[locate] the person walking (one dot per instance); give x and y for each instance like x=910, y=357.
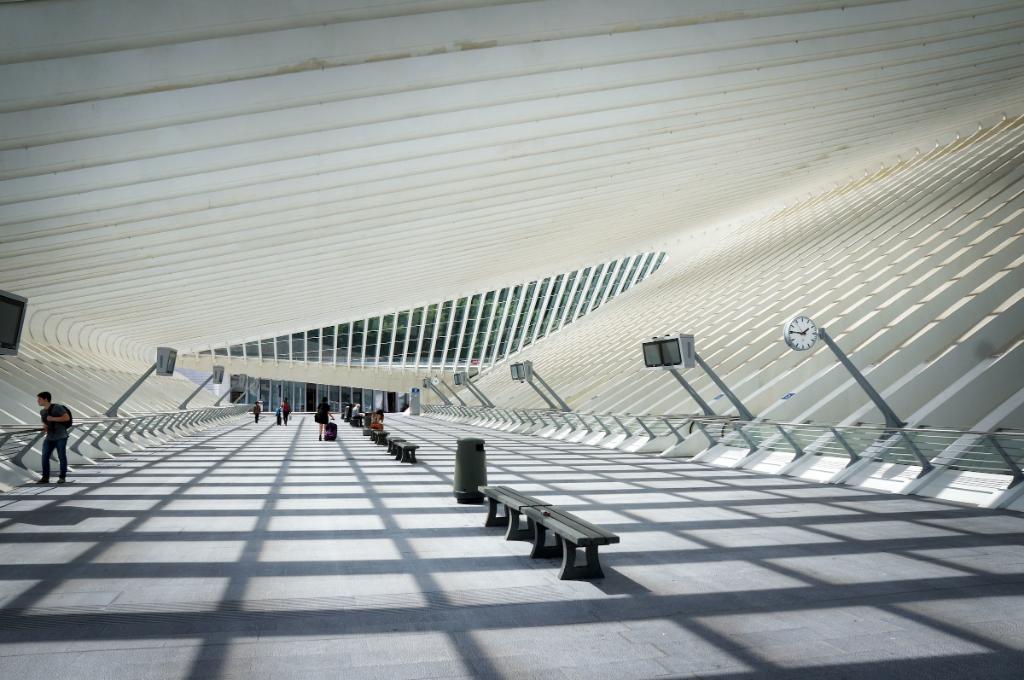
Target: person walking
x=323, y=415
x=286, y=410
x=279, y=412
x=257, y=409
x=56, y=420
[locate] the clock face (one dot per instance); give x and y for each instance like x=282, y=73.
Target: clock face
x=800, y=333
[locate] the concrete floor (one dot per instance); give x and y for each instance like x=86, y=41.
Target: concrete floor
x=259, y=552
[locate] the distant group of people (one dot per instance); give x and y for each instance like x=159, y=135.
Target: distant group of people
x=322, y=416
x=283, y=411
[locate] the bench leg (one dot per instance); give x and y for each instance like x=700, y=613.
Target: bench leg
x=493, y=518
x=571, y=571
x=540, y=547
x=515, y=532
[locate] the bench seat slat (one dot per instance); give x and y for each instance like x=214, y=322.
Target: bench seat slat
x=576, y=529
x=511, y=498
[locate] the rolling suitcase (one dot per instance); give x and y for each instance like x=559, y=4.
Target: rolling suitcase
x=330, y=432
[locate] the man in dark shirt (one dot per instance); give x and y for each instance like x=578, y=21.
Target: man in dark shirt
x=55, y=418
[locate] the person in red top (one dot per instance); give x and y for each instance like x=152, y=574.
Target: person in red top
x=286, y=410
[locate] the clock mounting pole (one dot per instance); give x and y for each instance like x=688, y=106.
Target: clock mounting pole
x=891, y=419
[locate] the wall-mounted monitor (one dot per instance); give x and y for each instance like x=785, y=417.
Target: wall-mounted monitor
x=12, y=319
x=166, y=357
x=670, y=352
x=218, y=375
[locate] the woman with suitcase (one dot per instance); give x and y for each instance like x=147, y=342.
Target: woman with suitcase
x=322, y=417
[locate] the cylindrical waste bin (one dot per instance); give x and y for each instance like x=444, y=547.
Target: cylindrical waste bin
x=470, y=470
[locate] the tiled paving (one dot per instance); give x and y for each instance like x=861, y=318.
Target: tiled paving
x=255, y=551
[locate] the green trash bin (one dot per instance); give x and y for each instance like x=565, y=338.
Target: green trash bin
x=470, y=470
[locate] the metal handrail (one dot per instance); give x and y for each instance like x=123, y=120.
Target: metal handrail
x=119, y=430
x=998, y=452
x=88, y=420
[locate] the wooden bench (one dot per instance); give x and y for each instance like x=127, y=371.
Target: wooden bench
x=394, y=448
x=356, y=421
x=571, y=533
x=514, y=504
x=380, y=437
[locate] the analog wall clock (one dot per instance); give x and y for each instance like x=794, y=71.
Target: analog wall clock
x=800, y=333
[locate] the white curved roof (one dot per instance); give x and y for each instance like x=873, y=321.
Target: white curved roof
x=189, y=172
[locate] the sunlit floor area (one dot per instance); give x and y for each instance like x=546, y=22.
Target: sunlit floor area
x=256, y=551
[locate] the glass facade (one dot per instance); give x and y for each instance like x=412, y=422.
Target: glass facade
x=305, y=396
x=475, y=330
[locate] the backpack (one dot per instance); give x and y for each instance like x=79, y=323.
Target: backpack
x=71, y=418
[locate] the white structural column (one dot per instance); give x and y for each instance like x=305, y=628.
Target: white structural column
x=546, y=323
x=914, y=269
x=530, y=291
x=462, y=328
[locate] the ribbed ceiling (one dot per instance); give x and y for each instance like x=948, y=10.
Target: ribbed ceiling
x=185, y=172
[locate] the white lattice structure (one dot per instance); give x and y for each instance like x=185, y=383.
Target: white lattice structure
x=915, y=269
x=195, y=173
x=91, y=382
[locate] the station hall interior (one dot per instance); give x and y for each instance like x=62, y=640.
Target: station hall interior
x=548, y=339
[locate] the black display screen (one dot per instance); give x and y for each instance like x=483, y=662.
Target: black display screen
x=670, y=354
x=12, y=314
x=652, y=354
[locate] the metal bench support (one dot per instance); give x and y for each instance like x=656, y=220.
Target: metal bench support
x=493, y=518
x=515, y=530
x=541, y=548
x=570, y=571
